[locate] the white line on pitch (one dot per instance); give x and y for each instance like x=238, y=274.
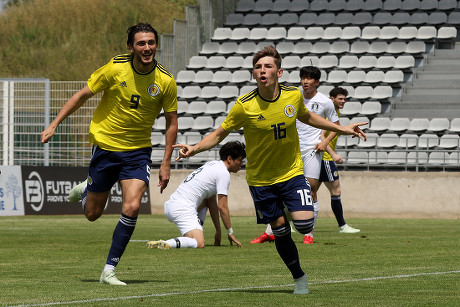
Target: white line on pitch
x=233, y=289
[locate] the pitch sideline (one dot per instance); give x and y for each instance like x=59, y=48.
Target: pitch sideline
x=233, y=289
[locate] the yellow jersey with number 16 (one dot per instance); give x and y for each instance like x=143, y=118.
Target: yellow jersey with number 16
x=131, y=102
x=272, y=142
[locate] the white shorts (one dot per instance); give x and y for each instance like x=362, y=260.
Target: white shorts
x=184, y=216
x=311, y=163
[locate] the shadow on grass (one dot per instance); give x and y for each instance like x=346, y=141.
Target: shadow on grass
x=129, y=281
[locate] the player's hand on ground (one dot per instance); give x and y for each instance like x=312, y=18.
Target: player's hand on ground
x=217, y=239
x=232, y=239
x=185, y=151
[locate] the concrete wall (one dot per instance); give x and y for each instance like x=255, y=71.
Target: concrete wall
x=433, y=195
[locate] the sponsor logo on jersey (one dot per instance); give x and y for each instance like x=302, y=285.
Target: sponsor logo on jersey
x=289, y=110
x=123, y=84
x=153, y=90
x=261, y=117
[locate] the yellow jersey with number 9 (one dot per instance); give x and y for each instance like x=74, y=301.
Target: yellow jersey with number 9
x=131, y=102
x=272, y=142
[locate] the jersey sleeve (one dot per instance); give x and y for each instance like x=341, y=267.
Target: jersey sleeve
x=223, y=182
x=99, y=80
x=331, y=114
x=170, y=97
x=235, y=118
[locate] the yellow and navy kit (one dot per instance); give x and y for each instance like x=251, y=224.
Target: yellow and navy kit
x=131, y=101
x=272, y=142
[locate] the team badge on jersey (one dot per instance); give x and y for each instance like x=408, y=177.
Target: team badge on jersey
x=289, y=110
x=153, y=90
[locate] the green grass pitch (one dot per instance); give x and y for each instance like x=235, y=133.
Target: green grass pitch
x=57, y=260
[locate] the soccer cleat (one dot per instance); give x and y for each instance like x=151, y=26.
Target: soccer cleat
x=76, y=193
x=308, y=239
x=108, y=277
x=158, y=244
x=301, y=285
x=264, y=238
x=348, y=229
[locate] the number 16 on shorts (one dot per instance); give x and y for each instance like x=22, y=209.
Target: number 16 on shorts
x=305, y=197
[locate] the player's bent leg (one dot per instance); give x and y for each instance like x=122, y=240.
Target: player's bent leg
x=94, y=204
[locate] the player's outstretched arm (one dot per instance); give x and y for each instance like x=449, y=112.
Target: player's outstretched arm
x=317, y=121
x=225, y=216
x=206, y=143
x=73, y=104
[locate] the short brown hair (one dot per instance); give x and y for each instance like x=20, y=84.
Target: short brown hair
x=267, y=51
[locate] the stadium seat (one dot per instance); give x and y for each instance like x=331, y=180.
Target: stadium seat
x=454, y=18
x=359, y=47
x=374, y=76
x=185, y=76
x=388, y=140
x=276, y=33
x=382, y=18
x=222, y=76
x=308, y=19
x=190, y=92
x=247, y=62
x=281, y=6
x=337, y=76
x=182, y=107
x=404, y=62
x=346, y=141
x=247, y=48
x=246, y=89
x=241, y=76
x=401, y=19
x=263, y=6
x=325, y=19
x=197, y=62
x=318, y=6
x=190, y=137
x=438, y=158
x=454, y=158
x=447, y=33
x=392, y=5
x=407, y=140
x=356, y=76
x=209, y=92
x=339, y=47
x=378, y=157
x=288, y=19
x=234, y=62
x=302, y=48
x=418, y=19
x=222, y=34
x=216, y=107
x=419, y=125
x=351, y=108
x=382, y=92
x=215, y=62
x=437, y=18
x=410, y=5
x=294, y=77
x=270, y=19
x=285, y=48
x=203, y=123
x=258, y=34
x=336, y=5
x=428, y=141
x=455, y=126
x=397, y=47
x=239, y=34
x=228, y=48
x=184, y=123
x=408, y=33
x=370, y=32
x=367, y=62
x=378, y=47
x=363, y=92
x=197, y=107
x=228, y=92
x=344, y=19
x=203, y=76
x=389, y=33
x=209, y=48
x=351, y=33
x=354, y=5
x=314, y=33
x=438, y=125
x=245, y=6
x=358, y=157
x=296, y=33
x=299, y=6
x=234, y=20
x=291, y=61
x=449, y=141
x=417, y=158
x=348, y=61
x=385, y=62
x=380, y=124
x=219, y=120
x=332, y=33
x=157, y=138
x=428, y=5
x=328, y=61
x=361, y=19
x=371, y=108
x=252, y=19
x=426, y=33
x=447, y=5
x=396, y=158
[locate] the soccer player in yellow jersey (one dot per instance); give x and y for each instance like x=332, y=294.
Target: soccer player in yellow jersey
x=329, y=172
x=274, y=169
x=136, y=88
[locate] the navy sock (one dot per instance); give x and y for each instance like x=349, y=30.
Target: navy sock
x=336, y=205
x=120, y=239
x=288, y=250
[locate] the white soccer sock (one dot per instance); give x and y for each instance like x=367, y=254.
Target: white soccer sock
x=108, y=267
x=269, y=231
x=182, y=242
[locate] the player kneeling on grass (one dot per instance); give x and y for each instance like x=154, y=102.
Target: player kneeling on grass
x=188, y=205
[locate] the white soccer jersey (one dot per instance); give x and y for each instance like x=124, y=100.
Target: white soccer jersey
x=323, y=106
x=210, y=179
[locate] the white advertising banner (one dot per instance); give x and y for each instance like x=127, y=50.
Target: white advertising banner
x=11, y=198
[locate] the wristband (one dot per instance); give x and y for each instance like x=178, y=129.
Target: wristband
x=230, y=231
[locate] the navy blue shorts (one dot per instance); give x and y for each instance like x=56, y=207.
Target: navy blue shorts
x=269, y=201
x=108, y=167
x=329, y=171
